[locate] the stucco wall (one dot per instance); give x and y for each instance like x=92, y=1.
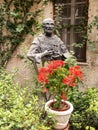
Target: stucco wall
x=91, y=70
x=26, y=71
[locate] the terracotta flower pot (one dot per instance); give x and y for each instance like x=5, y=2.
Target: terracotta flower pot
x=62, y=117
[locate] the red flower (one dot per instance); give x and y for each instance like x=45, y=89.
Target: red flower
x=69, y=80
x=76, y=71
x=45, y=90
x=44, y=72
x=42, y=75
x=63, y=96
x=42, y=78
x=72, y=84
x=54, y=65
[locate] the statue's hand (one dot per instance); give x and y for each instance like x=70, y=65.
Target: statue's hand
x=67, y=54
x=40, y=55
x=47, y=52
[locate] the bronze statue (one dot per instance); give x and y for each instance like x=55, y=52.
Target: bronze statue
x=47, y=46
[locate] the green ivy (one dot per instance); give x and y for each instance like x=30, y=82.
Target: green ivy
x=16, y=21
x=92, y=44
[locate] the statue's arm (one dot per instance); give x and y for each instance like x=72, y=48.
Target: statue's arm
x=35, y=53
x=63, y=49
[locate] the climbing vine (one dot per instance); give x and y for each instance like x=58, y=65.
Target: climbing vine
x=16, y=21
x=92, y=44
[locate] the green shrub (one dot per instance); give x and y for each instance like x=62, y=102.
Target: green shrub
x=85, y=115
x=19, y=107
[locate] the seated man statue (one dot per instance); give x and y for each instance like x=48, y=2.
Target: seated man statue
x=47, y=46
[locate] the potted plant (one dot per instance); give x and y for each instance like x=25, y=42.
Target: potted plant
x=58, y=78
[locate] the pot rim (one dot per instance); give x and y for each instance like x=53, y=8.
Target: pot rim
x=69, y=111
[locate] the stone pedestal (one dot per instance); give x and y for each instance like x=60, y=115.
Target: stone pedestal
x=67, y=128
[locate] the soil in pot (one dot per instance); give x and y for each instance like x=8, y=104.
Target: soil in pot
x=63, y=106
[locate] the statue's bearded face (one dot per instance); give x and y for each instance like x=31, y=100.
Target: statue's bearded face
x=48, y=26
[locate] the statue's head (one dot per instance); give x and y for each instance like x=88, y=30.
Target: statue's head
x=48, y=26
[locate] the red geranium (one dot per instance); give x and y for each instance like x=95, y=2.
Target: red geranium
x=76, y=71
x=58, y=77
x=42, y=77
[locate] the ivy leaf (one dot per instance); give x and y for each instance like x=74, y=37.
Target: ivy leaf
x=20, y=28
